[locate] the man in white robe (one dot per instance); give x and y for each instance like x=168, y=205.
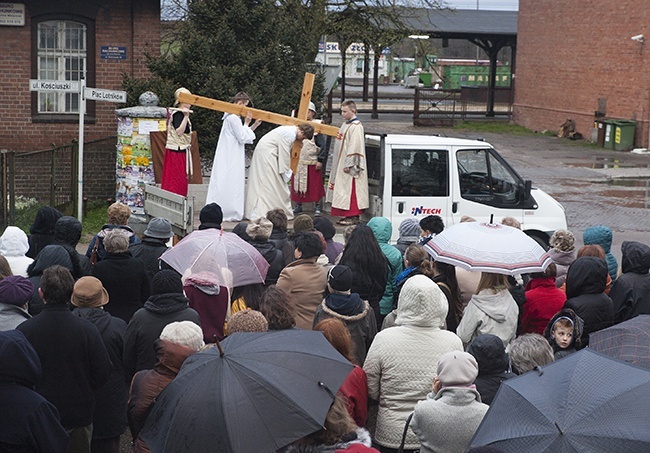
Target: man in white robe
x=227, y=179
x=270, y=171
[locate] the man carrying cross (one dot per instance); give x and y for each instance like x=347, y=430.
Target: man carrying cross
x=270, y=170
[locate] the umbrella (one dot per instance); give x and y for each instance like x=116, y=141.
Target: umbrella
x=234, y=261
x=585, y=402
x=488, y=247
x=264, y=391
x=629, y=341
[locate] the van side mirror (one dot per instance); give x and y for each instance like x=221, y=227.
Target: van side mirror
x=528, y=184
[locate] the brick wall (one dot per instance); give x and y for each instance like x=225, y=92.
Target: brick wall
x=570, y=55
x=125, y=23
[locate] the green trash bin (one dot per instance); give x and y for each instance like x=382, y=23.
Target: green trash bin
x=426, y=79
x=608, y=141
x=624, y=134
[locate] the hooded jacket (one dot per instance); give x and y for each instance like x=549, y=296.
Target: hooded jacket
x=585, y=286
x=602, y=235
x=578, y=327
x=51, y=255
x=382, y=229
x=109, y=418
x=562, y=262
x=147, y=324
x=67, y=233
x=41, y=233
x=148, y=384
x=543, y=300
x=273, y=256
x=14, y=246
x=493, y=365
x=357, y=316
x=149, y=251
x=630, y=292
x=281, y=241
x=403, y=360
x=29, y=422
x=489, y=312
x=211, y=302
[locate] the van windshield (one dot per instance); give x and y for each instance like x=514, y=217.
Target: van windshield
x=420, y=173
x=483, y=177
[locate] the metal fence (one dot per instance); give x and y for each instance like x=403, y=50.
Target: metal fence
x=443, y=107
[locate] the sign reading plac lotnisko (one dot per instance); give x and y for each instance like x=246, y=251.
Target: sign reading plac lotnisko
x=12, y=14
x=96, y=94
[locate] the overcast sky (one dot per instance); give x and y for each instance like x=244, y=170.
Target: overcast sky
x=494, y=5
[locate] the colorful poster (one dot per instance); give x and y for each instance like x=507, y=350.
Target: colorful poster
x=134, y=162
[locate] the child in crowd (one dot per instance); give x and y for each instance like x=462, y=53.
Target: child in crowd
x=563, y=333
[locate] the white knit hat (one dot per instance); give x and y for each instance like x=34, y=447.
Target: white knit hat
x=184, y=333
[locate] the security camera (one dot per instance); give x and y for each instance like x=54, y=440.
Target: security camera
x=638, y=38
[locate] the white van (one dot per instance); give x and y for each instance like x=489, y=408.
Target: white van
x=419, y=175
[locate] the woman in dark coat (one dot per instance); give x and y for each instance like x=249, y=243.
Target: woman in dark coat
x=67, y=233
x=631, y=290
x=585, y=285
x=493, y=365
x=41, y=233
x=123, y=276
x=109, y=417
x=50, y=256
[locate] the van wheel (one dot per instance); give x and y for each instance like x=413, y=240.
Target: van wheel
x=540, y=238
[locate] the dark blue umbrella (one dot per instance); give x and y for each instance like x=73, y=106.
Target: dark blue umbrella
x=261, y=392
x=629, y=341
x=585, y=402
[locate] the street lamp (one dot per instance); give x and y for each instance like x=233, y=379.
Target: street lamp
x=416, y=38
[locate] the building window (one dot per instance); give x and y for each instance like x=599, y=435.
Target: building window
x=62, y=55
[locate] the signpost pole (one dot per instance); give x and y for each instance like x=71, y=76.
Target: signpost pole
x=80, y=166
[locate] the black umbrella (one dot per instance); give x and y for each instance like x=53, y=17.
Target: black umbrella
x=629, y=341
x=585, y=402
x=260, y=393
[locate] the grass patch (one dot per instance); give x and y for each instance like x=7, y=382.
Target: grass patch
x=94, y=219
x=494, y=127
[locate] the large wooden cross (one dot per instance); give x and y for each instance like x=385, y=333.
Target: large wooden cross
x=269, y=117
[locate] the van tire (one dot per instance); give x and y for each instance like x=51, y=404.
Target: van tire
x=540, y=238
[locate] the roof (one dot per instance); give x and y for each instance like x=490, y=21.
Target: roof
x=463, y=23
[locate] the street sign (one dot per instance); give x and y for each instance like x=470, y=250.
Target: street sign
x=67, y=86
x=97, y=94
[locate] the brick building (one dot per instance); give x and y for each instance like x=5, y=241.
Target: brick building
x=576, y=58
x=66, y=40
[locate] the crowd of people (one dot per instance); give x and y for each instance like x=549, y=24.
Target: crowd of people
x=90, y=340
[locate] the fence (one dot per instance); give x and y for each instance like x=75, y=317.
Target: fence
x=443, y=107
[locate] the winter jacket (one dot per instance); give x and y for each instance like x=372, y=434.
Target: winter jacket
x=493, y=365
x=372, y=291
x=67, y=232
x=357, y=316
x=467, y=283
x=14, y=246
x=562, y=262
x=543, y=300
x=74, y=361
x=446, y=421
x=358, y=441
x=489, y=312
x=402, y=360
x=126, y=281
x=304, y=281
x=332, y=250
x=585, y=283
x=51, y=255
x=109, y=418
x=149, y=251
x=273, y=256
x=12, y=316
x=630, y=292
x=101, y=251
x=29, y=422
x=382, y=229
x=578, y=327
x=281, y=241
x=602, y=235
x=148, y=384
x=355, y=393
x=403, y=243
x=41, y=233
x=146, y=325
x=210, y=301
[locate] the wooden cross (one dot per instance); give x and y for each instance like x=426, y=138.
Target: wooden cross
x=269, y=117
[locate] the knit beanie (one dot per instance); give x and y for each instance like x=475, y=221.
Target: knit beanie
x=302, y=223
x=211, y=216
x=457, y=368
x=247, y=321
x=15, y=290
x=259, y=229
x=340, y=278
x=409, y=227
x=167, y=281
x=184, y=333
x=562, y=241
x=325, y=226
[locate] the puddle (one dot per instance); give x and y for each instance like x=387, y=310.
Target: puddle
x=608, y=162
x=629, y=192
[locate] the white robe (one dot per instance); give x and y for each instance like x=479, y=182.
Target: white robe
x=227, y=179
x=269, y=173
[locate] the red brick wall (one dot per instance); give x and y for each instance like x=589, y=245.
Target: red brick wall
x=571, y=54
x=125, y=23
